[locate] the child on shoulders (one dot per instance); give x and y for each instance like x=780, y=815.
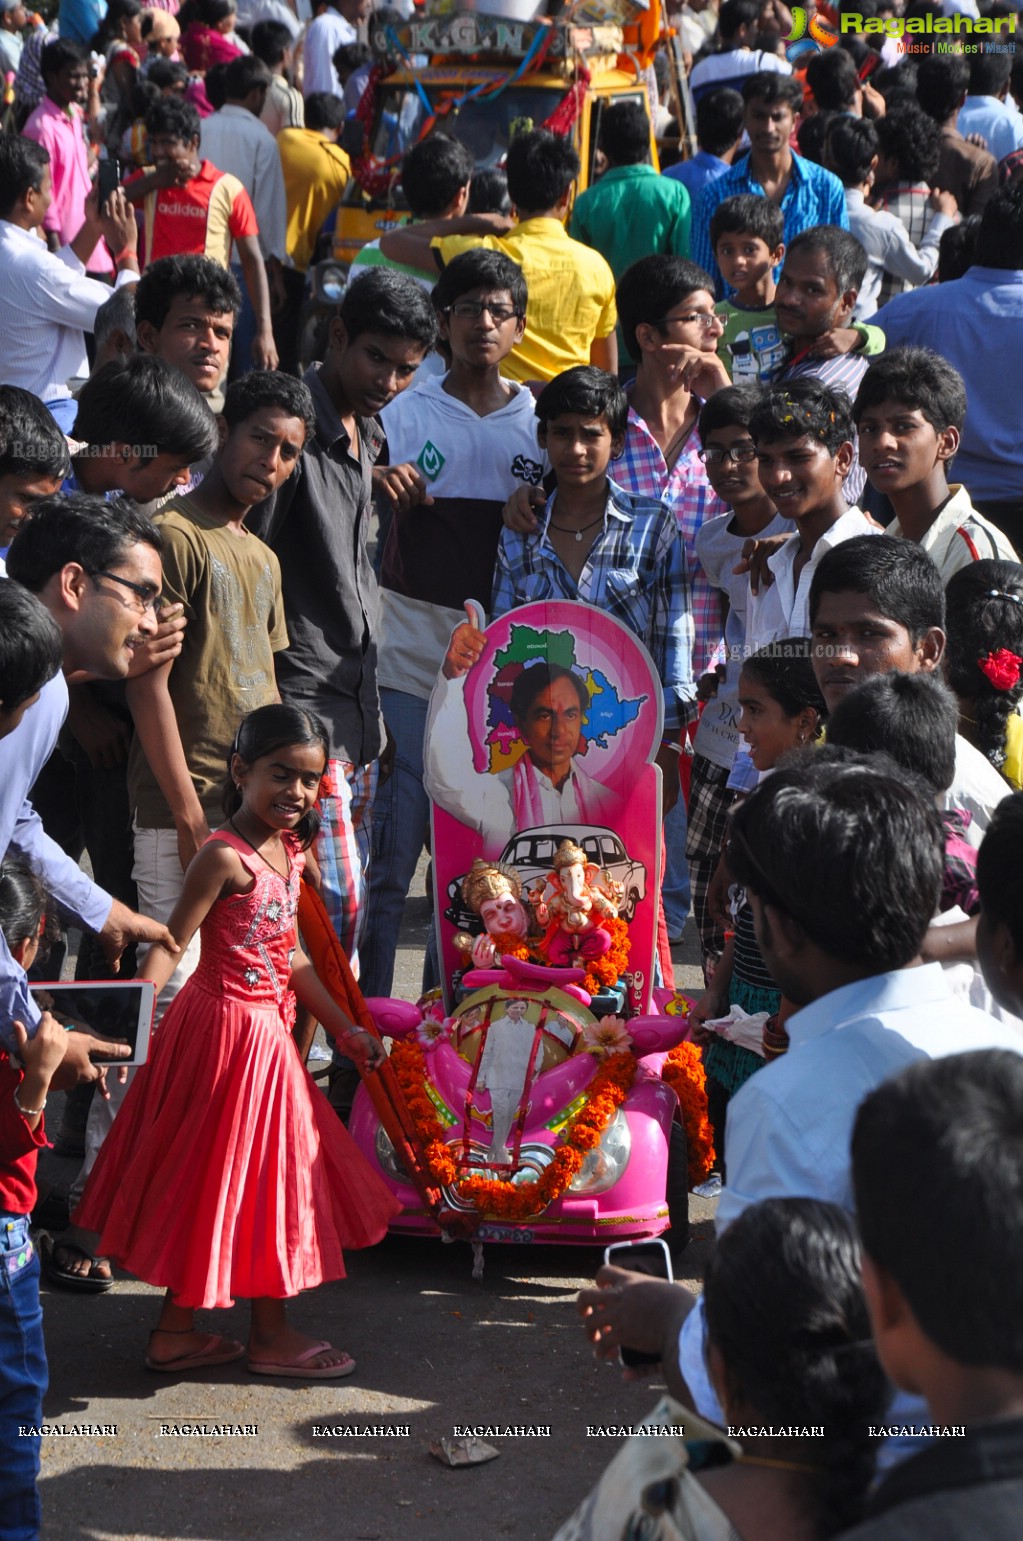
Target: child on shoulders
x=747, y=234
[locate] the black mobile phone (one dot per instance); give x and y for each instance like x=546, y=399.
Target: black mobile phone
x=108, y=179
x=650, y=1257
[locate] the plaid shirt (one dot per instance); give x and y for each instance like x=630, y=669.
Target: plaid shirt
x=643, y=471
x=911, y=203
x=635, y=571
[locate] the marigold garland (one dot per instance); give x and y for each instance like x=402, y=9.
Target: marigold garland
x=494, y=1197
x=600, y=972
x=684, y=1073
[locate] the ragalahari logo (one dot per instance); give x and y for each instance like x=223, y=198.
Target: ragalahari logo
x=809, y=35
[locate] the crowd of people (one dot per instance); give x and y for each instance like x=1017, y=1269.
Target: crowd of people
x=722, y=402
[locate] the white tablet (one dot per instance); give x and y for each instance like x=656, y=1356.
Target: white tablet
x=116, y=1009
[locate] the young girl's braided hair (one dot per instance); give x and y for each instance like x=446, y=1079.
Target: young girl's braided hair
x=787, y=1314
x=984, y=652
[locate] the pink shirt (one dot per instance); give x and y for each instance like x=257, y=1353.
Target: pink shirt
x=63, y=135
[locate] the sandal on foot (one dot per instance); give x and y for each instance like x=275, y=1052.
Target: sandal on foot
x=65, y=1278
x=299, y=1368
x=219, y=1350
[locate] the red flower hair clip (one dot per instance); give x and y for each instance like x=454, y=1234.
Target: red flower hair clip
x=1001, y=668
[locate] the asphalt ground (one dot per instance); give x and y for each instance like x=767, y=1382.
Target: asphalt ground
x=436, y=1350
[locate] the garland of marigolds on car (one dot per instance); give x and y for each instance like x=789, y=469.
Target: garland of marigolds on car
x=683, y=1071
x=505, y=1200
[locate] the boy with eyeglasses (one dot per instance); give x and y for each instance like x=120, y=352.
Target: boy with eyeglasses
x=461, y=445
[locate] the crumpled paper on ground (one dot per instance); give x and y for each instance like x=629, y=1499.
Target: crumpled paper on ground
x=463, y=1452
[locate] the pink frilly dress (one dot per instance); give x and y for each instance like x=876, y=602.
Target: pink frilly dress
x=227, y=1173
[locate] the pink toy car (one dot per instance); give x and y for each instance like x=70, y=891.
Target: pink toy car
x=542, y=1124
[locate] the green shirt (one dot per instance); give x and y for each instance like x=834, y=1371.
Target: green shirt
x=632, y=212
x=753, y=348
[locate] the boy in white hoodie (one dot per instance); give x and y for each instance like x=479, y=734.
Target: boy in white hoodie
x=466, y=441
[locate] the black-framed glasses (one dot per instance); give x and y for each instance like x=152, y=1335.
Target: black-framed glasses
x=705, y=318
x=147, y=597
x=471, y=310
x=738, y=453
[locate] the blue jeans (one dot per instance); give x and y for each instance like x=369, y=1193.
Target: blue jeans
x=675, y=889
x=63, y=410
x=244, y=330
x=23, y=1380
x=401, y=828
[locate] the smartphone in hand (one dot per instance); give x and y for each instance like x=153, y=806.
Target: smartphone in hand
x=651, y=1257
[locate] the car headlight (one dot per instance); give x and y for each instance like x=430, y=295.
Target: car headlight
x=603, y=1166
x=388, y=1158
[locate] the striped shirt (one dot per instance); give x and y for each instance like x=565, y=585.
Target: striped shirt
x=643, y=472
x=635, y=571
x=200, y=218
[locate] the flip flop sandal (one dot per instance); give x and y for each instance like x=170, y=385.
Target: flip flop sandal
x=219, y=1350
x=65, y=1278
x=300, y=1368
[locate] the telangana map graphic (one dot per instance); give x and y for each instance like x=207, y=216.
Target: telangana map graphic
x=606, y=715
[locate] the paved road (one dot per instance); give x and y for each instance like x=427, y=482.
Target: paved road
x=435, y=1349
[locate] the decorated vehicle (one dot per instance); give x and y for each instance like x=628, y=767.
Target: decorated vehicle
x=486, y=74
x=550, y=1095
x=572, y=1134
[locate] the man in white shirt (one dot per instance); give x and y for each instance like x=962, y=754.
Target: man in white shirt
x=47, y=303
x=877, y=606
x=842, y=863
x=236, y=141
x=331, y=30
x=737, y=25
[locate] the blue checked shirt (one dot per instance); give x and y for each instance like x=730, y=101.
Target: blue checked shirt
x=813, y=197
x=635, y=571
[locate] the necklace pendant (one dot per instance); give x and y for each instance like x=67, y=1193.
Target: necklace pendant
x=578, y=534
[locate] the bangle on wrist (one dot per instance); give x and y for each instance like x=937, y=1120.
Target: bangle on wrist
x=125, y=254
x=352, y=1032
x=28, y=1112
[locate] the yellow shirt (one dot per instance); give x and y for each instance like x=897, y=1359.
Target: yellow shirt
x=316, y=173
x=1012, y=769
x=571, y=294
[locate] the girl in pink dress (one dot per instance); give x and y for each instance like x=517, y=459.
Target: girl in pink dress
x=227, y=1172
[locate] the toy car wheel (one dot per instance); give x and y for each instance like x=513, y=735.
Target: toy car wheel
x=677, y=1234
x=628, y=914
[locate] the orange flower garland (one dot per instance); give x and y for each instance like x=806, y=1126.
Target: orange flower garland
x=612, y=966
x=497, y=1198
x=600, y=972
x=684, y=1073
